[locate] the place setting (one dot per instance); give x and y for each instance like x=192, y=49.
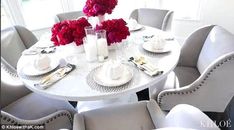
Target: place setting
x=45, y=70
x=41, y=47
x=133, y=25
x=112, y=75
x=154, y=45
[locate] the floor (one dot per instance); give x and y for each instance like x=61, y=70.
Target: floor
x=223, y=118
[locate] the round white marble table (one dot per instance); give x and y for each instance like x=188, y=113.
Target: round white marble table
x=74, y=86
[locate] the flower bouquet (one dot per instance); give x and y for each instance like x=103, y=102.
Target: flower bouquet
x=116, y=30
x=99, y=7
x=67, y=31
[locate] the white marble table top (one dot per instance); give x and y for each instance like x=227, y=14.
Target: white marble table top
x=74, y=87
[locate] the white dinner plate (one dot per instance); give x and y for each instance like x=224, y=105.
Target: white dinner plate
x=138, y=27
x=30, y=69
x=148, y=47
x=100, y=78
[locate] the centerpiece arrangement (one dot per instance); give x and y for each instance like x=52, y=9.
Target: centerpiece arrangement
x=70, y=31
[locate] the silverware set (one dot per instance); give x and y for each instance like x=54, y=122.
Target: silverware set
x=145, y=66
x=40, y=50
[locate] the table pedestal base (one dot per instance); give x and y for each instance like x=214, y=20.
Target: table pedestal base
x=83, y=106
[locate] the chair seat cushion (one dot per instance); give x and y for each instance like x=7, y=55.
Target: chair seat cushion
x=34, y=106
x=186, y=75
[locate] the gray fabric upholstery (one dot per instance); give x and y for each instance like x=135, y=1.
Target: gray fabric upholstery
x=124, y=117
x=68, y=16
x=10, y=40
x=192, y=47
x=14, y=40
x=205, y=71
x=21, y=106
x=27, y=37
x=140, y=115
x=218, y=42
x=157, y=18
x=33, y=106
x=186, y=75
x=55, y=121
x=11, y=89
x=211, y=92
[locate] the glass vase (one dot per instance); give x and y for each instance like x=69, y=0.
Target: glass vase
x=100, y=19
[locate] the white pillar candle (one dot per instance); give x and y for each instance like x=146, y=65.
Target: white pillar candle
x=91, y=48
x=102, y=47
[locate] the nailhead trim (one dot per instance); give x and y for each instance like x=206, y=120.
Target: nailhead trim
x=200, y=85
x=59, y=115
x=14, y=74
x=8, y=119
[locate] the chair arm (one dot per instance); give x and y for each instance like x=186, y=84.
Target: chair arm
x=156, y=114
x=58, y=120
x=211, y=92
x=192, y=46
x=12, y=88
x=134, y=14
x=167, y=21
x=187, y=116
x=78, y=122
x=56, y=19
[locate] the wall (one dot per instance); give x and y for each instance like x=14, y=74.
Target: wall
x=219, y=12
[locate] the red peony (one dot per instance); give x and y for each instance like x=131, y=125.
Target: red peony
x=62, y=33
x=78, y=29
x=68, y=31
x=116, y=30
x=99, y=7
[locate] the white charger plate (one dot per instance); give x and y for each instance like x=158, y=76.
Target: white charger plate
x=30, y=70
x=100, y=78
x=147, y=46
x=138, y=27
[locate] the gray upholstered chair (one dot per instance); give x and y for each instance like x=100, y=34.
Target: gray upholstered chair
x=68, y=16
x=17, y=101
x=158, y=18
x=144, y=115
x=58, y=120
x=204, y=74
x=123, y=117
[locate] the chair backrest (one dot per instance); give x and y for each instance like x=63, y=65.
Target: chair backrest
x=157, y=18
x=218, y=42
x=122, y=117
x=14, y=41
x=11, y=86
x=68, y=16
x=58, y=120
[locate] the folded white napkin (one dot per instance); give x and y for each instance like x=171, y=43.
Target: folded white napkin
x=132, y=24
x=113, y=69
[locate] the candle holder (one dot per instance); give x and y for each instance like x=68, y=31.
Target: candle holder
x=90, y=45
x=102, y=47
